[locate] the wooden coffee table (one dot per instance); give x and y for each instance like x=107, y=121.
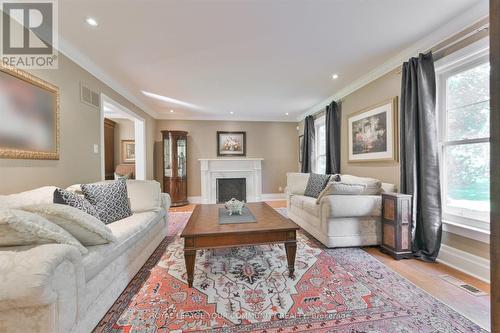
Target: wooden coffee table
x=203, y=231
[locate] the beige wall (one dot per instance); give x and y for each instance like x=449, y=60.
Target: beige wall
x=80, y=130
x=276, y=142
x=124, y=130
x=386, y=87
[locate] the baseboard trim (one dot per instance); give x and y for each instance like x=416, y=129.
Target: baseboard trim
x=473, y=265
x=265, y=197
x=194, y=200
x=273, y=196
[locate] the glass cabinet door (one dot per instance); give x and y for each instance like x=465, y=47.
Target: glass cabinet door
x=181, y=157
x=167, y=156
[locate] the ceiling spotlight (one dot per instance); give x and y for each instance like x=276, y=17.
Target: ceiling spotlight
x=286, y=114
x=335, y=76
x=92, y=21
x=231, y=112
x=171, y=111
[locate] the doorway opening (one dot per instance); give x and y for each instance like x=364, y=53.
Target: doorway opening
x=123, y=142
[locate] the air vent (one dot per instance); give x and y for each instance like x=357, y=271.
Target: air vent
x=462, y=285
x=89, y=97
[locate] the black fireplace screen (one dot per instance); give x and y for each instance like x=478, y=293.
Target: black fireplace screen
x=228, y=188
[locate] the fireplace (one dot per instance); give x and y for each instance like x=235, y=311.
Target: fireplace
x=228, y=188
x=214, y=169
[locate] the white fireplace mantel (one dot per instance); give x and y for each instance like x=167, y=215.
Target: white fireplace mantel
x=215, y=168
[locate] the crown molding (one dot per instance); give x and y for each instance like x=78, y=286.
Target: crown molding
x=219, y=117
x=461, y=22
x=83, y=61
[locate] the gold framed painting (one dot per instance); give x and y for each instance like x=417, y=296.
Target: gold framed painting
x=29, y=110
x=373, y=133
x=128, y=151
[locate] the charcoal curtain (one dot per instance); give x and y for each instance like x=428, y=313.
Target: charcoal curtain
x=308, y=144
x=419, y=154
x=332, y=129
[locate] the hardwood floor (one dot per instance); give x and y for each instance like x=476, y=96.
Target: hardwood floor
x=426, y=276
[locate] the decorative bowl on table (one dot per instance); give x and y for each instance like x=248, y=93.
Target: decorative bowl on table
x=234, y=206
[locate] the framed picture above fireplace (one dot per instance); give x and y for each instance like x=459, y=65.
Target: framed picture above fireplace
x=231, y=143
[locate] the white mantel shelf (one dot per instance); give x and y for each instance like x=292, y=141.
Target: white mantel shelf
x=232, y=159
x=212, y=169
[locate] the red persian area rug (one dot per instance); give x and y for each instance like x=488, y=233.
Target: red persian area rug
x=248, y=290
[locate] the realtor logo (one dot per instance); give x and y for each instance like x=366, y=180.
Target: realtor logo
x=29, y=34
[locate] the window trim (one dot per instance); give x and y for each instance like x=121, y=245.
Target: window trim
x=318, y=122
x=469, y=57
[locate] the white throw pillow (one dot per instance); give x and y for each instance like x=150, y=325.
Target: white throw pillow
x=84, y=227
x=41, y=195
x=18, y=227
x=372, y=186
x=340, y=188
x=144, y=195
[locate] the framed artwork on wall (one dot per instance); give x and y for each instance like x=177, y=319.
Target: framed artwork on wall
x=373, y=133
x=128, y=151
x=231, y=143
x=29, y=110
x=301, y=147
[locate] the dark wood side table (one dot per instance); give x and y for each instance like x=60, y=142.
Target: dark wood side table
x=396, y=225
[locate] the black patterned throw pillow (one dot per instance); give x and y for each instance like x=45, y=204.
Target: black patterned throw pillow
x=72, y=199
x=110, y=199
x=316, y=184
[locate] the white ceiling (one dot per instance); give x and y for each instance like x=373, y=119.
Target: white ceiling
x=257, y=59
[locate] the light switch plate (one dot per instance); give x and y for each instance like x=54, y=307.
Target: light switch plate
x=96, y=148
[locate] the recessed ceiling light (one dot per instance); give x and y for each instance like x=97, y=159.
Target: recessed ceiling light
x=231, y=112
x=92, y=21
x=286, y=114
x=171, y=111
x=335, y=76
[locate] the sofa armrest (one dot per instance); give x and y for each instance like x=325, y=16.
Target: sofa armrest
x=40, y=275
x=165, y=201
x=296, y=182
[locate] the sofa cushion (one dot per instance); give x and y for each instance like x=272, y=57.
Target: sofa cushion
x=18, y=228
x=75, y=200
x=126, y=231
x=373, y=186
x=316, y=184
x=110, y=199
x=84, y=227
x=352, y=205
x=41, y=195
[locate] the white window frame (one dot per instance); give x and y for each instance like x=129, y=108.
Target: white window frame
x=459, y=61
x=318, y=123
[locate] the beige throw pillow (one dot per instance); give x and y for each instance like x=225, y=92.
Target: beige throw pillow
x=18, y=227
x=86, y=228
x=340, y=188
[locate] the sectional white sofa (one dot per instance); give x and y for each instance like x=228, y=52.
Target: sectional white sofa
x=337, y=220
x=52, y=288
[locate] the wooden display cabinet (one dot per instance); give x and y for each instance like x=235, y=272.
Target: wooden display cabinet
x=175, y=166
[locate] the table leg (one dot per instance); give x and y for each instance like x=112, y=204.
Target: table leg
x=291, y=249
x=189, y=258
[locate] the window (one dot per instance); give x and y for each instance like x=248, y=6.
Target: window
x=464, y=108
x=319, y=163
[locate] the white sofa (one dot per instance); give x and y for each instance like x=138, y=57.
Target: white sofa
x=53, y=288
x=337, y=220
